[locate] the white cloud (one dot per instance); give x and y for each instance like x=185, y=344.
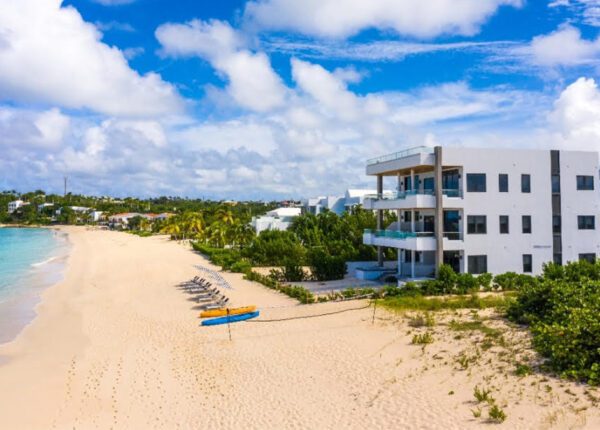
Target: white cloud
x=343, y=18
x=564, y=47
x=114, y=25
x=24, y=128
x=576, y=115
x=51, y=55
x=113, y=2
x=381, y=50
x=586, y=11
x=252, y=81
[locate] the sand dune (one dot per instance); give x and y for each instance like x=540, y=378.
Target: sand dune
x=116, y=345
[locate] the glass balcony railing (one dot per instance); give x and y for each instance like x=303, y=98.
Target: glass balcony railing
x=395, y=234
x=400, y=154
x=401, y=195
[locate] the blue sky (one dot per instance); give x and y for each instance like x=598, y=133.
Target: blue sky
x=270, y=99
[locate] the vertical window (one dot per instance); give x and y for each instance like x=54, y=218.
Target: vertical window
x=476, y=182
x=477, y=264
x=503, y=183
x=557, y=259
x=428, y=185
x=586, y=222
x=503, y=224
x=527, y=263
x=556, y=224
x=585, y=182
x=525, y=183
x=526, y=221
x=591, y=257
x=407, y=183
x=476, y=224
x=555, y=184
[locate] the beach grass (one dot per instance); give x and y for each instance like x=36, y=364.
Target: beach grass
x=423, y=303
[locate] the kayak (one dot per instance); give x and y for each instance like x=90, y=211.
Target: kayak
x=230, y=319
x=223, y=312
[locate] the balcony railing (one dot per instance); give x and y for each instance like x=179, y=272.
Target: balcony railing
x=400, y=154
x=401, y=195
x=395, y=234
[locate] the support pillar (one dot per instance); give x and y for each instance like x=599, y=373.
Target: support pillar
x=439, y=209
x=412, y=263
x=379, y=219
x=412, y=180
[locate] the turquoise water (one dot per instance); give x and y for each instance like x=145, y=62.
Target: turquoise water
x=30, y=260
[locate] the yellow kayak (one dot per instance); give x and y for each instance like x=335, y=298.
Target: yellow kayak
x=223, y=312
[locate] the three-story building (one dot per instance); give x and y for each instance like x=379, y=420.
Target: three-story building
x=486, y=210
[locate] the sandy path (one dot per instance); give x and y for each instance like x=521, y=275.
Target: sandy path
x=116, y=345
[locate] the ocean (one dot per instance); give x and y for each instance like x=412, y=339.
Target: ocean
x=31, y=259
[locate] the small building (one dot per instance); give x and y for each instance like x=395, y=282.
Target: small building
x=16, y=204
x=96, y=216
x=277, y=219
x=337, y=204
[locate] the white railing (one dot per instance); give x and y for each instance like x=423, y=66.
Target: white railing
x=400, y=154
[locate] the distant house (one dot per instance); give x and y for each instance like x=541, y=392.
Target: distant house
x=336, y=204
x=14, y=205
x=277, y=219
x=122, y=218
x=43, y=206
x=96, y=216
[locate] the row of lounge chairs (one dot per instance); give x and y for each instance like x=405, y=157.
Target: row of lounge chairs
x=216, y=276
x=208, y=296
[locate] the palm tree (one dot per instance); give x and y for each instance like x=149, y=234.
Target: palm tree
x=193, y=224
x=241, y=234
x=225, y=216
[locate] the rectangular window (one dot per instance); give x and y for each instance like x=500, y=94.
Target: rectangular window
x=477, y=264
x=556, y=224
x=526, y=221
x=476, y=224
x=503, y=224
x=586, y=222
x=527, y=263
x=428, y=185
x=503, y=183
x=476, y=182
x=588, y=257
x=557, y=259
x=525, y=183
x=585, y=182
x=555, y=184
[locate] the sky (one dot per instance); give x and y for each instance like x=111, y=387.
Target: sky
x=274, y=99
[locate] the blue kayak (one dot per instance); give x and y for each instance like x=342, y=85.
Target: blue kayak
x=230, y=318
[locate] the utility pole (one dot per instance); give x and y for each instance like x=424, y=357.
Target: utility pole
x=65, y=193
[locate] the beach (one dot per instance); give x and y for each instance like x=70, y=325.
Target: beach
x=116, y=344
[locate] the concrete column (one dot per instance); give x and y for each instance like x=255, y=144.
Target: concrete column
x=412, y=180
x=412, y=220
x=412, y=263
x=379, y=219
x=399, y=182
x=439, y=209
x=399, y=262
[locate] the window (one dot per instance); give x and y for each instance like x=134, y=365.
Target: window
x=407, y=183
x=476, y=182
x=556, y=224
x=588, y=257
x=477, y=264
x=526, y=221
x=525, y=183
x=557, y=259
x=585, y=182
x=586, y=222
x=476, y=224
x=527, y=263
x=555, y=184
x=503, y=224
x=428, y=185
x=503, y=183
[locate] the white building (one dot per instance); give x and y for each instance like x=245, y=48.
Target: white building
x=14, y=205
x=277, y=219
x=336, y=204
x=499, y=210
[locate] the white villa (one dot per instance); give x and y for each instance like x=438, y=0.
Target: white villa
x=486, y=210
x=277, y=219
x=336, y=204
x=16, y=204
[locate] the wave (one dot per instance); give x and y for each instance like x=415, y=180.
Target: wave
x=42, y=263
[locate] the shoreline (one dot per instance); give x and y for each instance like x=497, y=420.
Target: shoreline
x=116, y=345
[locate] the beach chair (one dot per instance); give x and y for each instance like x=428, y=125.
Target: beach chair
x=221, y=303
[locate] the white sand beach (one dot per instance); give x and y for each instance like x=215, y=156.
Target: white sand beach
x=117, y=346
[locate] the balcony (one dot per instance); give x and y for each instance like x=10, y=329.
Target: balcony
x=417, y=241
x=410, y=199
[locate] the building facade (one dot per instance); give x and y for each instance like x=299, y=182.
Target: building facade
x=14, y=205
x=486, y=210
x=277, y=219
x=336, y=204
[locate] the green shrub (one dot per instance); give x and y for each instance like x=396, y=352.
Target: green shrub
x=482, y=394
x=241, y=266
x=293, y=272
x=326, y=267
x=466, y=283
x=484, y=281
x=422, y=339
x=496, y=414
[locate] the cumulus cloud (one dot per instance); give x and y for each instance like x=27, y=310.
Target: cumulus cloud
x=343, y=18
x=586, y=11
x=564, y=47
x=42, y=39
x=576, y=115
x=252, y=81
